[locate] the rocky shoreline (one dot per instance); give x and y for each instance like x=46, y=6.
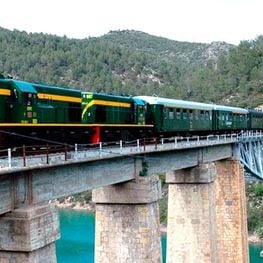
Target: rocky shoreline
x=254, y=238
x=76, y=205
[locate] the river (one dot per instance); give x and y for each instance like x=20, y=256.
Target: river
x=77, y=239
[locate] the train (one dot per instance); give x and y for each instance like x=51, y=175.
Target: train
x=31, y=112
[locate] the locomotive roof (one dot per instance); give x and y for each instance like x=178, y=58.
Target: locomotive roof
x=55, y=90
x=24, y=86
x=190, y=104
x=96, y=95
x=138, y=101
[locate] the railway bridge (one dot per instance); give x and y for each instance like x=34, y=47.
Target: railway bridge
x=207, y=219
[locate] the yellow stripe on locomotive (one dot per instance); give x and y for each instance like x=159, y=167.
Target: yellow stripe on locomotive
x=5, y=92
x=104, y=103
x=45, y=96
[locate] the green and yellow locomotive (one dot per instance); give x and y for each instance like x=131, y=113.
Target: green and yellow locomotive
x=66, y=115
x=30, y=112
x=18, y=102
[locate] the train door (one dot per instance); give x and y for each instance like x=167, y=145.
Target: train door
x=100, y=114
x=139, y=109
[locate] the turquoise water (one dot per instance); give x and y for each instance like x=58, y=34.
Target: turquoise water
x=254, y=251
x=77, y=239
x=76, y=244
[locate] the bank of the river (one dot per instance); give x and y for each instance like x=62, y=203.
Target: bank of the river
x=254, y=238
x=70, y=203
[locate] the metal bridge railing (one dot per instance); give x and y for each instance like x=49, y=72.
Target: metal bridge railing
x=25, y=157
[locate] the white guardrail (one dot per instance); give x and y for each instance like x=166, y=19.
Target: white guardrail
x=56, y=154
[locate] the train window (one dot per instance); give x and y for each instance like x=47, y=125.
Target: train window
x=207, y=115
x=178, y=114
x=171, y=113
x=197, y=115
x=184, y=114
x=14, y=95
x=202, y=115
x=191, y=114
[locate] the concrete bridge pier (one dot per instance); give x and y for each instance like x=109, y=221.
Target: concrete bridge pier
x=28, y=235
x=127, y=222
x=191, y=232
x=207, y=215
x=231, y=213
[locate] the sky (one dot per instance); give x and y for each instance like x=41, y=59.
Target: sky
x=202, y=21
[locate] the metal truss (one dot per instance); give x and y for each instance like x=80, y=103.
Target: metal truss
x=250, y=151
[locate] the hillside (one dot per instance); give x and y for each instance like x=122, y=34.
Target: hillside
x=184, y=54
x=132, y=62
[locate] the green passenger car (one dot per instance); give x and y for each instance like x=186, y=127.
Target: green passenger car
x=255, y=120
x=229, y=118
x=58, y=105
x=171, y=116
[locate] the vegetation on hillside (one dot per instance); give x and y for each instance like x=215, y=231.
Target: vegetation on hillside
x=255, y=208
x=132, y=62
